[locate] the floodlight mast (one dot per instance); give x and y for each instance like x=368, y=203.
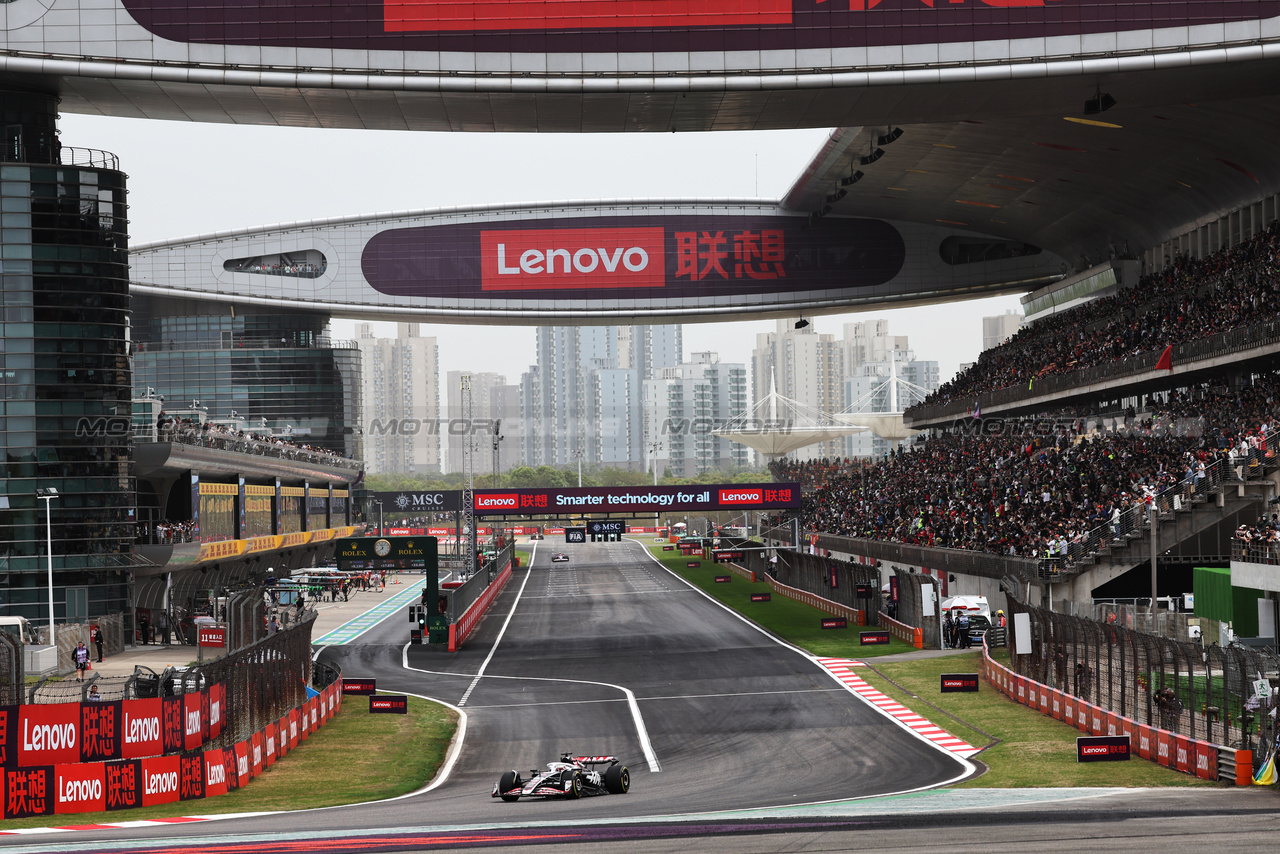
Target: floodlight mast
x=47, y=494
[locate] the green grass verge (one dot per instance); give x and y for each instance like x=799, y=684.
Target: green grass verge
x=1024, y=749
x=1027, y=749
x=794, y=622
x=355, y=757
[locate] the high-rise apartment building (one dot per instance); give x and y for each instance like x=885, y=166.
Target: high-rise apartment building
x=582, y=400
x=684, y=405
x=476, y=426
x=804, y=366
x=401, y=397
x=999, y=328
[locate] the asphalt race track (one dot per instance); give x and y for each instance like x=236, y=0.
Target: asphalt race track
x=726, y=731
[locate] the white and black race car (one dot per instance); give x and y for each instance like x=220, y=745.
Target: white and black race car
x=559, y=557
x=571, y=777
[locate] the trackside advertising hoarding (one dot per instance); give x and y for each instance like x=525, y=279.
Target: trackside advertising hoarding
x=637, y=499
x=644, y=26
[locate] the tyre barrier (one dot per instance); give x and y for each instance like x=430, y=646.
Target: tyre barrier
x=68, y=758
x=1198, y=758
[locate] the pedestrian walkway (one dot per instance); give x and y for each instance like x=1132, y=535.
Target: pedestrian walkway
x=330, y=617
x=842, y=670
x=408, y=594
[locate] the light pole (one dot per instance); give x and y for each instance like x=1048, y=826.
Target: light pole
x=654, y=447
x=578, y=454
x=497, y=443
x=46, y=495
x=379, y=503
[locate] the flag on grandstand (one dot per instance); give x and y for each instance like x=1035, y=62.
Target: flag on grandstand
x=1166, y=359
x=1267, y=773
x=977, y=410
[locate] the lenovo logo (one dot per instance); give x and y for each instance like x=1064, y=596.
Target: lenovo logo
x=572, y=258
x=508, y=500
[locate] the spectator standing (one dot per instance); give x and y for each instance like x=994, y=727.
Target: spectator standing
x=96, y=636
x=81, y=659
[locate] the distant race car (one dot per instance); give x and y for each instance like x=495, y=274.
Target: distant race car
x=559, y=557
x=571, y=777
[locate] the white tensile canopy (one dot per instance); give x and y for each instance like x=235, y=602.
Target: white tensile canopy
x=778, y=425
x=888, y=424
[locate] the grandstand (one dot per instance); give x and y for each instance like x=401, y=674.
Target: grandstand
x=1063, y=486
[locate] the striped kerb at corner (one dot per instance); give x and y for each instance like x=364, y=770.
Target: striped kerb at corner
x=842, y=670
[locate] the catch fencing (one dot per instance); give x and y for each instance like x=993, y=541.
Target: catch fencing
x=1200, y=691
x=12, y=676
x=261, y=681
x=465, y=605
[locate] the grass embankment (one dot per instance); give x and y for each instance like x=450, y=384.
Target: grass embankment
x=1025, y=749
x=355, y=757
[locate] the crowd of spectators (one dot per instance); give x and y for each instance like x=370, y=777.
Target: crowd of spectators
x=1039, y=488
x=166, y=532
x=1188, y=300
x=187, y=431
x=304, y=269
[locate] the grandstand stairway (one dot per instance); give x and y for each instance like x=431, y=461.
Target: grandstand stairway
x=1200, y=532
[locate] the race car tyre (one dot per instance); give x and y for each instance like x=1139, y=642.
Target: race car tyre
x=575, y=785
x=617, y=779
x=506, y=783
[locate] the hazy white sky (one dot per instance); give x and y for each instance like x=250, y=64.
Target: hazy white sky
x=187, y=179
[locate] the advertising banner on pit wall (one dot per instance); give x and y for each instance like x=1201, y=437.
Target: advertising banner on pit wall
x=648, y=26
x=637, y=499
x=100, y=731
x=215, y=773
x=80, y=788
x=191, y=776
x=142, y=728
x=124, y=784
x=161, y=780
x=28, y=791
x=48, y=734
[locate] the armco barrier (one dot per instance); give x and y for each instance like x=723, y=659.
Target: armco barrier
x=126, y=777
x=461, y=630
x=903, y=632
x=817, y=601
x=1188, y=755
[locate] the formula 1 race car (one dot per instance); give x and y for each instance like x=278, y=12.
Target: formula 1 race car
x=559, y=557
x=571, y=777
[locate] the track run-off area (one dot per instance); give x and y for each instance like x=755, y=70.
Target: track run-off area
x=735, y=740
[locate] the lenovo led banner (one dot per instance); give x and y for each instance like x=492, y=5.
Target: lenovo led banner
x=637, y=499
x=628, y=26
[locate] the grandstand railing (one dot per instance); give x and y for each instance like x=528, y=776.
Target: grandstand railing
x=199, y=438
x=1268, y=553
x=240, y=342
x=1223, y=343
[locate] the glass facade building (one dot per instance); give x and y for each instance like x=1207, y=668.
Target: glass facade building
x=274, y=373
x=64, y=416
